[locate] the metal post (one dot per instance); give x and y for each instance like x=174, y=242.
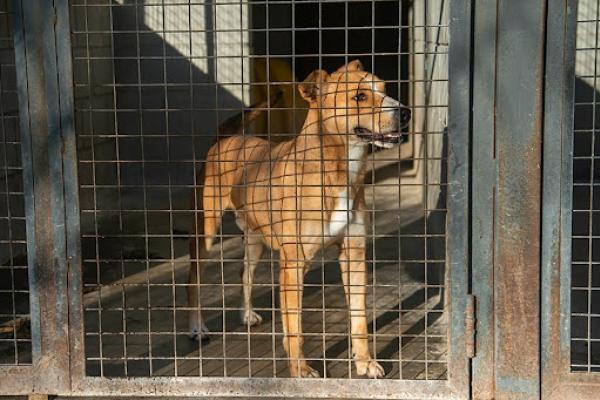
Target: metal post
x=568, y=34
x=558, y=126
x=459, y=128
x=507, y=135
x=518, y=134
x=483, y=197
x=15, y=376
x=42, y=127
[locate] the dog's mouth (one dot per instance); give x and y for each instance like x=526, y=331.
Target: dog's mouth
x=386, y=140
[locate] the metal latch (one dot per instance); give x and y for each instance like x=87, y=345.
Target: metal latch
x=470, y=326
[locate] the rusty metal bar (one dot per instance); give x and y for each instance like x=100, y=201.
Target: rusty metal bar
x=41, y=128
x=62, y=26
x=570, y=90
x=459, y=130
x=518, y=136
x=470, y=327
x=483, y=194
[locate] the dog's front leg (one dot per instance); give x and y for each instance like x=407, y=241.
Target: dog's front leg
x=354, y=276
x=291, y=282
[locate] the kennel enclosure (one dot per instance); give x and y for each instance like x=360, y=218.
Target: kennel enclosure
x=117, y=103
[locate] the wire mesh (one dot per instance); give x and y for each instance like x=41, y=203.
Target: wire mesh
x=157, y=83
x=15, y=339
x=585, y=267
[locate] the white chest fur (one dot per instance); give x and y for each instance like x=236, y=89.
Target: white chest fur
x=343, y=213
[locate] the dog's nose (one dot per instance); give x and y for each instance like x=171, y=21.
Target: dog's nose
x=405, y=115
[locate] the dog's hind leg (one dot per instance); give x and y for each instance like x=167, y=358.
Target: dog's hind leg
x=196, y=325
x=206, y=222
x=253, y=249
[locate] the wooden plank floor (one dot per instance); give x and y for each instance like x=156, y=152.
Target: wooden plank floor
x=144, y=328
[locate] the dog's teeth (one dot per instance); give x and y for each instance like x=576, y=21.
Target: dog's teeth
x=385, y=145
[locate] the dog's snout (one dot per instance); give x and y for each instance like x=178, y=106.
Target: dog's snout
x=405, y=114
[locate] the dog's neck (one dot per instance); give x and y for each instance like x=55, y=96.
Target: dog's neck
x=334, y=145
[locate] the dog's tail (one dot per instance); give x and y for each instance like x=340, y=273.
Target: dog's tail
x=234, y=125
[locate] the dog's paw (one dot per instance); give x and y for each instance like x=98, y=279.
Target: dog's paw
x=250, y=318
x=370, y=368
x=302, y=371
x=199, y=334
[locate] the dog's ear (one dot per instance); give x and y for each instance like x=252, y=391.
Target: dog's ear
x=312, y=87
x=354, y=65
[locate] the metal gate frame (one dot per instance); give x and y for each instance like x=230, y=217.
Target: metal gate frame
x=517, y=124
x=517, y=116
x=523, y=87
x=557, y=380
x=43, y=107
x=18, y=378
x=513, y=123
x=507, y=114
x=42, y=43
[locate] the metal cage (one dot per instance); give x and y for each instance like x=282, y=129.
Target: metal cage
x=570, y=329
x=15, y=339
x=477, y=239
x=154, y=85
x=135, y=96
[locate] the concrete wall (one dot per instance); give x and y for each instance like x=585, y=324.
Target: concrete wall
x=429, y=99
x=587, y=60
x=430, y=95
x=203, y=31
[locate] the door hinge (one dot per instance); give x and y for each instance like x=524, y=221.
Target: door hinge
x=470, y=326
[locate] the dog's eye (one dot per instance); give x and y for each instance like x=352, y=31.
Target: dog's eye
x=360, y=97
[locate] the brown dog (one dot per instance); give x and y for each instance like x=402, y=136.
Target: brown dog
x=300, y=196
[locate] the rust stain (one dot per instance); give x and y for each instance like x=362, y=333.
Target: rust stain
x=517, y=259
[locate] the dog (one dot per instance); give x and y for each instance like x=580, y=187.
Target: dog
x=299, y=196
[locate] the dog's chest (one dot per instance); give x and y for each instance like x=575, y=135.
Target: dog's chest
x=343, y=213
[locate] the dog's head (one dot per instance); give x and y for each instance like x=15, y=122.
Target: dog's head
x=353, y=102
